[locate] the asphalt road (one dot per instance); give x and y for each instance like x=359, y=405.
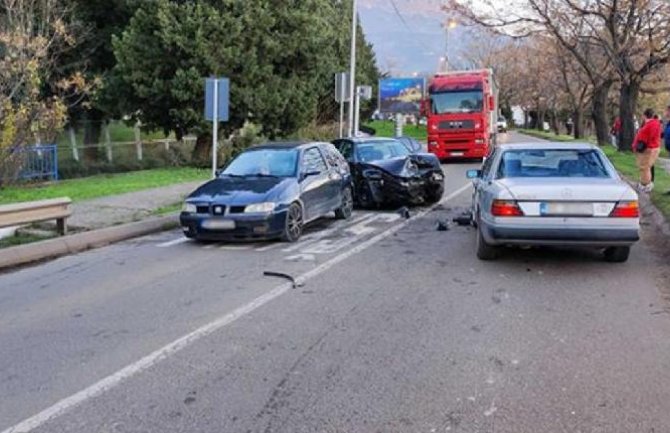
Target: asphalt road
x=396, y=327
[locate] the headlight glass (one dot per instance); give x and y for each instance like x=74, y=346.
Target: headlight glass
x=411, y=169
x=188, y=208
x=260, y=207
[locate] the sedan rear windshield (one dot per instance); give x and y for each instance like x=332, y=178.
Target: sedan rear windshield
x=552, y=163
x=264, y=162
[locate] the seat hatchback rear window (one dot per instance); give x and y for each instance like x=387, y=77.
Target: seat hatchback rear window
x=552, y=163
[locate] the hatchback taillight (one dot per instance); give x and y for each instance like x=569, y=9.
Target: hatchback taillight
x=505, y=208
x=626, y=209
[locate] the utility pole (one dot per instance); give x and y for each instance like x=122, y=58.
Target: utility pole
x=451, y=24
x=352, y=67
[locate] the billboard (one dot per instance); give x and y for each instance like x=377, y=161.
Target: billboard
x=401, y=95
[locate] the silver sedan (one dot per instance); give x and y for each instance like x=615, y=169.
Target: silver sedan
x=553, y=194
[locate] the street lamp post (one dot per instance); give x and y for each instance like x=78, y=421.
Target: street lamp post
x=352, y=67
x=451, y=24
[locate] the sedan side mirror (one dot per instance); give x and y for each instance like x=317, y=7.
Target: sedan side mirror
x=218, y=172
x=473, y=174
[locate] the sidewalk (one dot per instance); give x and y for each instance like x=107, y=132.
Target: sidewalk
x=134, y=206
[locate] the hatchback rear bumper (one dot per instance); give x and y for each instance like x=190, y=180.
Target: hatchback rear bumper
x=495, y=234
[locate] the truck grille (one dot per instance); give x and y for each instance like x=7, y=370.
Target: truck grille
x=457, y=124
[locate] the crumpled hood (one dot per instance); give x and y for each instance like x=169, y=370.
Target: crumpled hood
x=240, y=191
x=425, y=161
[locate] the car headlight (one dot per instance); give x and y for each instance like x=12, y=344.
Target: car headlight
x=410, y=169
x=189, y=208
x=260, y=207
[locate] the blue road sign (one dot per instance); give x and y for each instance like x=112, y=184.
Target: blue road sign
x=223, y=90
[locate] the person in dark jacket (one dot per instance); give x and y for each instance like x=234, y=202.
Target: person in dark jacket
x=647, y=146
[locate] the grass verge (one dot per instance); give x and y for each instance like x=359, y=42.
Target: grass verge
x=21, y=239
x=550, y=135
x=102, y=185
x=386, y=128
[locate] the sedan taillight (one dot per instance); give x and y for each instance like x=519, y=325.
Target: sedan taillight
x=626, y=209
x=505, y=208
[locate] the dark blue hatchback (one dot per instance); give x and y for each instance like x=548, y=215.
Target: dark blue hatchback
x=270, y=191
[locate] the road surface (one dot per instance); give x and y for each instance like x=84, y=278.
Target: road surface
x=395, y=327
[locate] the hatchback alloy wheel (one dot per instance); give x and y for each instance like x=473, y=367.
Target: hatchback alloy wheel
x=294, y=223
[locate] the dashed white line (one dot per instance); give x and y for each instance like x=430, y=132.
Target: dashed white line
x=177, y=241
x=115, y=379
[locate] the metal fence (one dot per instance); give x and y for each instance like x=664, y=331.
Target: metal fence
x=39, y=162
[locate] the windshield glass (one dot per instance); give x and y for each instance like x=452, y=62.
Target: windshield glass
x=264, y=162
x=552, y=163
x=470, y=101
x=378, y=150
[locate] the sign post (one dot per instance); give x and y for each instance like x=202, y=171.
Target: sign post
x=364, y=92
x=342, y=95
x=217, y=102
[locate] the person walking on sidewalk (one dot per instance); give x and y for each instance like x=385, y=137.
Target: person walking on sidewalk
x=647, y=146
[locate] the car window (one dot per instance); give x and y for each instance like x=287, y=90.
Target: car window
x=411, y=144
x=333, y=157
x=488, y=163
x=368, y=151
x=552, y=163
x=268, y=162
x=346, y=148
x=312, y=161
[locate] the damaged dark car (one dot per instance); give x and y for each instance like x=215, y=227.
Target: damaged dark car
x=386, y=172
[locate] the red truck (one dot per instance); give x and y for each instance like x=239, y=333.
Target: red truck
x=462, y=111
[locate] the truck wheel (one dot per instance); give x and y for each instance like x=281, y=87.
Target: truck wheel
x=485, y=251
x=617, y=254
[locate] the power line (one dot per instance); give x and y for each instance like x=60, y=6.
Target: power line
x=406, y=24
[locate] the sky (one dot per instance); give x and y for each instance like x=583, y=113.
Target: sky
x=415, y=47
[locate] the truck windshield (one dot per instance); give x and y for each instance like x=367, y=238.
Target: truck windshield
x=470, y=101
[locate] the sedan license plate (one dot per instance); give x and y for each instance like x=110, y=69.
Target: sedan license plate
x=218, y=224
x=456, y=153
x=566, y=209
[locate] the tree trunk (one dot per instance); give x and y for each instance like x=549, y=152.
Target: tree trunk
x=526, y=121
x=599, y=112
x=92, y=131
x=627, y=105
x=202, y=152
x=578, y=123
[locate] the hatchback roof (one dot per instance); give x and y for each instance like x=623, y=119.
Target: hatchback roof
x=369, y=139
x=548, y=145
x=283, y=145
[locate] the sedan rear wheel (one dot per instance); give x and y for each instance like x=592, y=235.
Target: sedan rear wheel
x=347, y=207
x=617, y=254
x=294, y=223
x=485, y=251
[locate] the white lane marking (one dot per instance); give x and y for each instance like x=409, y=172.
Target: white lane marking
x=327, y=232
x=177, y=241
x=269, y=247
x=235, y=247
x=67, y=404
x=301, y=258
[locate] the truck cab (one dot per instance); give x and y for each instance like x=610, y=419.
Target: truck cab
x=461, y=109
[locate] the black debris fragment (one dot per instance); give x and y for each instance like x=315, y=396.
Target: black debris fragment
x=404, y=212
x=442, y=226
x=464, y=219
x=284, y=276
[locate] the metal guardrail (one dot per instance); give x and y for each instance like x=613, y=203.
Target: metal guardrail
x=16, y=214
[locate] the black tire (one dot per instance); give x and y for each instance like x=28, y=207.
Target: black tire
x=347, y=207
x=485, y=251
x=617, y=254
x=294, y=223
x=364, y=198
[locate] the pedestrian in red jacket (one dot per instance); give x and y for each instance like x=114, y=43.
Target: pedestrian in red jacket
x=647, y=146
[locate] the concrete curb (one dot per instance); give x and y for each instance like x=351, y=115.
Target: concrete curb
x=52, y=248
